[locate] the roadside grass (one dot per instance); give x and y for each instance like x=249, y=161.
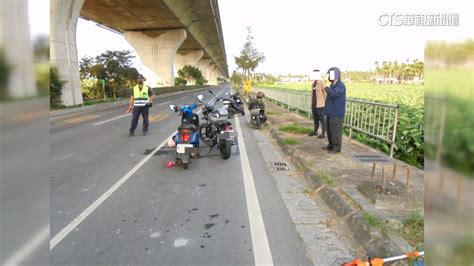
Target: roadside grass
x=324, y=178
x=270, y=112
x=87, y=103
x=290, y=141
x=372, y=220
x=413, y=229
x=296, y=129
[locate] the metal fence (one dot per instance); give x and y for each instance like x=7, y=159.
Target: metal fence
x=377, y=120
x=435, y=116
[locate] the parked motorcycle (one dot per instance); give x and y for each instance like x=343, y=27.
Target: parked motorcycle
x=234, y=105
x=217, y=130
x=187, y=138
x=239, y=102
x=257, y=111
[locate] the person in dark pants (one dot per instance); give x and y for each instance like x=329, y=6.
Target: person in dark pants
x=140, y=103
x=335, y=109
x=318, y=100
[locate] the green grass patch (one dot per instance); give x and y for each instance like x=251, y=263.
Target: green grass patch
x=296, y=129
x=324, y=178
x=372, y=220
x=290, y=141
x=273, y=113
x=413, y=229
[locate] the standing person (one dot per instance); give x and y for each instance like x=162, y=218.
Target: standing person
x=318, y=101
x=335, y=109
x=140, y=102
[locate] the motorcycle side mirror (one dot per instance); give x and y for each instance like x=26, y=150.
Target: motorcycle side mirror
x=174, y=107
x=200, y=97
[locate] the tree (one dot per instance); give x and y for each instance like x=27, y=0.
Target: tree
x=191, y=75
x=113, y=66
x=41, y=48
x=237, y=79
x=56, y=85
x=5, y=70
x=85, y=66
x=249, y=57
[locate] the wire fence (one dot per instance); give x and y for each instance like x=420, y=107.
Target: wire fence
x=377, y=120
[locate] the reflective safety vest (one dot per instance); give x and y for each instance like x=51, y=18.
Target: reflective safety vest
x=140, y=97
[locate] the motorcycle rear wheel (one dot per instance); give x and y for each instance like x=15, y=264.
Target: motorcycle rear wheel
x=225, y=148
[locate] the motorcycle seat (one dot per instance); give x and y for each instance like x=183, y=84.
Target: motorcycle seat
x=188, y=127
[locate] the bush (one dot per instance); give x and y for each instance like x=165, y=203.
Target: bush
x=4, y=75
x=55, y=87
x=190, y=74
x=91, y=89
x=123, y=92
x=42, y=78
x=180, y=81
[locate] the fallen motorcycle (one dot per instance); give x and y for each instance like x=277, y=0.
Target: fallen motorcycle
x=233, y=104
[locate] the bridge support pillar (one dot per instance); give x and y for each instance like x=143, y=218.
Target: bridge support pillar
x=204, y=65
x=158, y=53
x=15, y=42
x=64, y=15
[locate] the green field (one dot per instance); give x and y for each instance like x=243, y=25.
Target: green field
x=456, y=86
x=409, y=139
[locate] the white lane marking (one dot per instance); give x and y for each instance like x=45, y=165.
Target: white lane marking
x=115, y=118
x=79, y=219
x=261, y=248
x=112, y=119
x=30, y=246
x=164, y=103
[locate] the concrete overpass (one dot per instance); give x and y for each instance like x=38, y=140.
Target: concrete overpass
x=166, y=34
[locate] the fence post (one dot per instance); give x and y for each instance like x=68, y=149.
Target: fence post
x=350, y=120
x=394, y=133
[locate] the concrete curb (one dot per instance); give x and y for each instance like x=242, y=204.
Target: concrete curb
x=96, y=107
x=376, y=244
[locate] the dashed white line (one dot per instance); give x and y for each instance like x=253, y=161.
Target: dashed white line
x=164, y=103
x=112, y=119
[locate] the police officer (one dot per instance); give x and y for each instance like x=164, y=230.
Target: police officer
x=140, y=102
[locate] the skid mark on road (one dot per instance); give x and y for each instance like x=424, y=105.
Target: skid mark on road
x=78, y=119
x=157, y=117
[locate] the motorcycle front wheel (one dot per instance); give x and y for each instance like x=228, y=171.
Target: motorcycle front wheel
x=205, y=135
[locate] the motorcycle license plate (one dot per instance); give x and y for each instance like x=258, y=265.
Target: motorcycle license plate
x=181, y=148
x=227, y=134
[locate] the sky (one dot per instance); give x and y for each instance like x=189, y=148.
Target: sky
x=299, y=36
x=38, y=14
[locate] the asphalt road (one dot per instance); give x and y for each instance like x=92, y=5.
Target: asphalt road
x=114, y=203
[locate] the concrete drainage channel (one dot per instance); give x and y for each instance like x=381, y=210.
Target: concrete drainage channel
x=374, y=243
x=327, y=242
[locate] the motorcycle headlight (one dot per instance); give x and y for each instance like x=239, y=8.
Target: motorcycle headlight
x=217, y=115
